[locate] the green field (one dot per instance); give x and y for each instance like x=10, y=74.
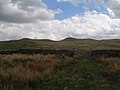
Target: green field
x=53, y=72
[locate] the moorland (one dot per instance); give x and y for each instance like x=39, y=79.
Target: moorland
x=95, y=65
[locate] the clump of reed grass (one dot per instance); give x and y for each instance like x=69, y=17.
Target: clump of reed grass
x=113, y=63
x=21, y=67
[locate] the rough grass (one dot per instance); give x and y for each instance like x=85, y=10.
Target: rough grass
x=22, y=72
x=47, y=44
x=113, y=70
x=28, y=67
x=50, y=72
x=113, y=64
x=19, y=44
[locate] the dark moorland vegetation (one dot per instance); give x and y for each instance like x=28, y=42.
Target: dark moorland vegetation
x=95, y=65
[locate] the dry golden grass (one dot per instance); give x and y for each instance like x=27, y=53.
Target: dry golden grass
x=30, y=67
x=113, y=63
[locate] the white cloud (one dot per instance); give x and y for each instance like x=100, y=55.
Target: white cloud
x=41, y=23
x=110, y=12
x=74, y=2
x=77, y=2
x=58, y=11
x=114, y=5
x=22, y=11
x=91, y=25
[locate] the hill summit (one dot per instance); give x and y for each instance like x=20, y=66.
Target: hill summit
x=70, y=39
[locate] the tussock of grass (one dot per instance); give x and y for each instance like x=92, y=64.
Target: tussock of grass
x=29, y=67
x=113, y=64
x=51, y=72
x=25, y=71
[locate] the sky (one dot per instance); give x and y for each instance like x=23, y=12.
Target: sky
x=59, y=19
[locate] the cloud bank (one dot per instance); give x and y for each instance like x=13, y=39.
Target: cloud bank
x=22, y=11
x=114, y=5
x=96, y=26
x=33, y=19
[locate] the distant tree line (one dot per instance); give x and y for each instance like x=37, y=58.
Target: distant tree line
x=105, y=53
x=69, y=53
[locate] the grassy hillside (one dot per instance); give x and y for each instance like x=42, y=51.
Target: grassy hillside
x=19, y=44
x=68, y=43
x=54, y=72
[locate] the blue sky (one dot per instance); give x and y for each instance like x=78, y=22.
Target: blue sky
x=70, y=10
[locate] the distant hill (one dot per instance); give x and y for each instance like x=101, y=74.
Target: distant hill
x=67, y=43
x=25, y=39
x=69, y=39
